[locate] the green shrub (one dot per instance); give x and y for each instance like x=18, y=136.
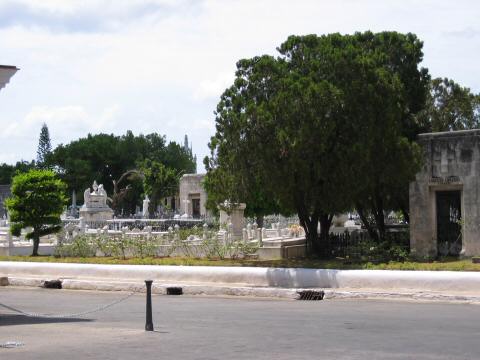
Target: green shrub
x=81, y=246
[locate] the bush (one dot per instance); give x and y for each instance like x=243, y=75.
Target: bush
x=80, y=247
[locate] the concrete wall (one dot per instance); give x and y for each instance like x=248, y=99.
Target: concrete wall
x=246, y=276
x=451, y=162
x=191, y=187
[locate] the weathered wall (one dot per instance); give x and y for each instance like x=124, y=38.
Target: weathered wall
x=451, y=162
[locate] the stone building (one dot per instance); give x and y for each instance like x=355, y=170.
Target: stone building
x=445, y=196
x=6, y=73
x=4, y=193
x=192, y=197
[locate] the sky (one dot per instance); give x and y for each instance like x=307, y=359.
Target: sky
x=92, y=66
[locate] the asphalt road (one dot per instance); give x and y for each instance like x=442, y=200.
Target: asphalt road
x=236, y=328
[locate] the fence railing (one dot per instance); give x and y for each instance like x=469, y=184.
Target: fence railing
x=359, y=245
x=157, y=225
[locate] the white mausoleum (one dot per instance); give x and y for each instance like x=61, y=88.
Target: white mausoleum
x=192, y=197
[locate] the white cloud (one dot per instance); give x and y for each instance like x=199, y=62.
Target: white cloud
x=87, y=15
x=213, y=88
x=72, y=119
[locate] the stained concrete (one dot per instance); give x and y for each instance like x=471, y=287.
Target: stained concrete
x=451, y=162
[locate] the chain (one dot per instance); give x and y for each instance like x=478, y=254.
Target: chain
x=67, y=316
x=10, y=344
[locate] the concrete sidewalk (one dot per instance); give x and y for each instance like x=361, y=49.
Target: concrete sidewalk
x=251, y=281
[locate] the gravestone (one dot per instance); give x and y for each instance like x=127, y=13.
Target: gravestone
x=235, y=217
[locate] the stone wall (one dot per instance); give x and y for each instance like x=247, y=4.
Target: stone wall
x=451, y=163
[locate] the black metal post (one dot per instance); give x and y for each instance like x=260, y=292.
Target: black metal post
x=149, y=322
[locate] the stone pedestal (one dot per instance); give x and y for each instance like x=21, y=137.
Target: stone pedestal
x=93, y=214
x=95, y=207
x=236, y=218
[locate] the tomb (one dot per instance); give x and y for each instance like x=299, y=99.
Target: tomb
x=95, y=206
x=445, y=196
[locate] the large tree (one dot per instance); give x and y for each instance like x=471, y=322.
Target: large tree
x=37, y=201
x=321, y=125
x=390, y=99
x=287, y=128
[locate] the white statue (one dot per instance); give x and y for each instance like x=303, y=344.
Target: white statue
x=101, y=192
x=95, y=206
x=86, y=197
x=95, y=199
x=146, y=203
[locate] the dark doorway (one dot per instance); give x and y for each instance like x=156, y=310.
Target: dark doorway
x=196, y=208
x=449, y=228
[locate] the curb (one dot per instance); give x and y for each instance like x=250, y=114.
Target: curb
x=290, y=278
x=161, y=288
x=248, y=291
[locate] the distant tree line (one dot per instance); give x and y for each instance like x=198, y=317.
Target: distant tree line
x=118, y=162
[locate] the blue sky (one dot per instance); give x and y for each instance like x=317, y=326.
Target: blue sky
x=160, y=65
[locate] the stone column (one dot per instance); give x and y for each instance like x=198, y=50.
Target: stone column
x=81, y=225
x=236, y=218
x=205, y=231
x=10, y=240
x=176, y=236
x=249, y=231
x=230, y=234
x=259, y=237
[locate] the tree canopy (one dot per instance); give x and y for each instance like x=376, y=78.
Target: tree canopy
x=7, y=172
x=37, y=201
x=450, y=106
x=106, y=157
x=325, y=126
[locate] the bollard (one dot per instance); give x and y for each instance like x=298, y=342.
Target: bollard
x=148, y=322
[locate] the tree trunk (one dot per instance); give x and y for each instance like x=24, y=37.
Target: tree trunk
x=310, y=225
x=260, y=218
x=325, y=224
x=36, y=243
x=379, y=217
x=372, y=231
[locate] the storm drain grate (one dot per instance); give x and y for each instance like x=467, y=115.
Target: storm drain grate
x=174, y=291
x=310, y=295
x=52, y=284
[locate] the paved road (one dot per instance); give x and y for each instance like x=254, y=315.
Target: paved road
x=236, y=328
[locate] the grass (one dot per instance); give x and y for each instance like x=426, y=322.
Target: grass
x=449, y=264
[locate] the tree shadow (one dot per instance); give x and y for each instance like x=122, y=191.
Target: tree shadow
x=302, y=278
x=14, y=319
